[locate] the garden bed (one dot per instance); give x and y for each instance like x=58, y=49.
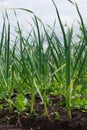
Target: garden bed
x=58, y=118
x=31, y=74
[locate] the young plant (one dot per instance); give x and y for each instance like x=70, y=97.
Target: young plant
x=72, y=72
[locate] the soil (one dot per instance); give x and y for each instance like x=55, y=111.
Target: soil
x=58, y=118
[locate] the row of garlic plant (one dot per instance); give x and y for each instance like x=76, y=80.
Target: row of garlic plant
x=28, y=68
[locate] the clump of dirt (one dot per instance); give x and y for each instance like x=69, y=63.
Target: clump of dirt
x=58, y=118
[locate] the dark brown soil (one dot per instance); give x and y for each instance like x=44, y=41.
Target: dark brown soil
x=38, y=121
